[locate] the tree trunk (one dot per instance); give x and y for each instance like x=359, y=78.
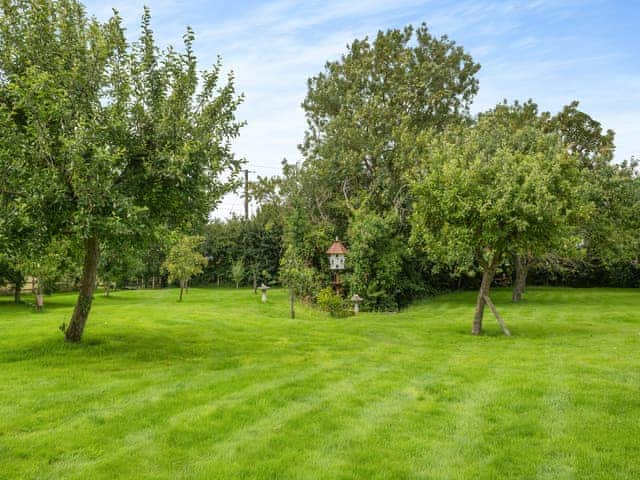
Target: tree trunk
x=74, y=331
x=39, y=300
x=292, y=299
x=37, y=291
x=181, y=289
x=106, y=289
x=487, y=278
x=18, y=282
x=522, y=269
x=255, y=281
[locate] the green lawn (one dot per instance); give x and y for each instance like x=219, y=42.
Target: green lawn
x=222, y=386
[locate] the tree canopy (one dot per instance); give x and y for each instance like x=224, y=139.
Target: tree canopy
x=110, y=139
x=184, y=260
x=484, y=190
x=362, y=112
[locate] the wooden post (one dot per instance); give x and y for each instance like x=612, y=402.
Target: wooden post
x=497, y=315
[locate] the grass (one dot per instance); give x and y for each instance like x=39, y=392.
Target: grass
x=223, y=386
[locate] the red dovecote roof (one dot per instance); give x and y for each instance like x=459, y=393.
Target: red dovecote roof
x=337, y=248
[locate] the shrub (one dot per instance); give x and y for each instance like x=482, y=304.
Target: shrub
x=333, y=303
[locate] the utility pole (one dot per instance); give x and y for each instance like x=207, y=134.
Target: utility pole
x=246, y=194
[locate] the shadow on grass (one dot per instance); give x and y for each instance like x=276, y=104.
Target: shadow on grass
x=131, y=346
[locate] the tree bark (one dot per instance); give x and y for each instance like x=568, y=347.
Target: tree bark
x=255, y=281
x=18, y=282
x=74, y=331
x=522, y=269
x=39, y=300
x=37, y=291
x=181, y=289
x=292, y=299
x=493, y=308
x=487, y=278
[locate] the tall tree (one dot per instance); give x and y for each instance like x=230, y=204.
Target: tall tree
x=363, y=111
x=113, y=138
x=490, y=189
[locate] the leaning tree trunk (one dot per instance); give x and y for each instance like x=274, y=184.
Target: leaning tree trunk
x=489, y=270
x=483, y=299
x=487, y=278
x=520, y=282
x=73, y=333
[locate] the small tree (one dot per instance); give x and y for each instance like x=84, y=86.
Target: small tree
x=490, y=189
x=298, y=277
x=184, y=260
x=46, y=264
x=237, y=272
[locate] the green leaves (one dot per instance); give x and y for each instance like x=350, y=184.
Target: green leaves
x=184, y=260
x=500, y=185
x=108, y=130
x=364, y=113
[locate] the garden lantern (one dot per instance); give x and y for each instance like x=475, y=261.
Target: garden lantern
x=263, y=289
x=336, y=253
x=357, y=300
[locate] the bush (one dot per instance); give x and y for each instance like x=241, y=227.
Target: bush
x=333, y=303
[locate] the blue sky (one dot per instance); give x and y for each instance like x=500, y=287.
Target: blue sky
x=553, y=51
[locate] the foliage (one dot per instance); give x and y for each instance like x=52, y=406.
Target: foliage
x=53, y=263
x=486, y=189
x=376, y=257
x=331, y=302
x=298, y=276
x=582, y=135
x=258, y=240
x=358, y=108
x=119, y=263
x=363, y=112
x=184, y=260
x=110, y=139
x=609, y=233
x=238, y=272
x=489, y=189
